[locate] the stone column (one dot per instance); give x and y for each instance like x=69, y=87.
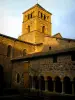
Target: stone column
x=62, y=87
x=39, y=83
x=32, y=83
x=46, y=85
x=54, y=85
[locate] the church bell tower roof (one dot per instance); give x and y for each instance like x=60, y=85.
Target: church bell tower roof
x=38, y=5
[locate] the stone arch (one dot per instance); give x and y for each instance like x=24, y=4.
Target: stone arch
x=50, y=83
x=58, y=84
x=74, y=84
x=44, y=17
x=31, y=15
x=28, y=28
x=43, y=29
x=30, y=81
x=41, y=15
x=28, y=16
x=67, y=85
x=42, y=83
x=9, y=50
x=36, y=82
x=24, y=52
x=50, y=48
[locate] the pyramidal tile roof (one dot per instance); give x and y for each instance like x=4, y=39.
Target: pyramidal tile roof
x=38, y=6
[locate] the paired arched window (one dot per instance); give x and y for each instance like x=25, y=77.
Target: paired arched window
x=44, y=17
x=41, y=15
x=9, y=50
x=28, y=28
x=29, y=16
x=43, y=29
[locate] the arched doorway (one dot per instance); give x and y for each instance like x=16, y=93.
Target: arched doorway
x=42, y=83
x=67, y=85
x=36, y=82
x=30, y=81
x=74, y=85
x=50, y=83
x=1, y=79
x=58, y=84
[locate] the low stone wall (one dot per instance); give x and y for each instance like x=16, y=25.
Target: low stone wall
x=27, y=94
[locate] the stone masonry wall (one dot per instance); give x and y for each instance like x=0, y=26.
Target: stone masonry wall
x=20, y=68
x=17, y=48
x=45, y=66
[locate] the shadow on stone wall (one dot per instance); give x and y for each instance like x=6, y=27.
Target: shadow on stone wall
x=5, y=61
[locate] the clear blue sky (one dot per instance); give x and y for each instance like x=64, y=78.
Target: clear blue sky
x=63, y=18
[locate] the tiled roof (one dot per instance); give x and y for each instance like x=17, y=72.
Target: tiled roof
x=44, y=54
x=18, y=40
x=38, y=6
x=67, y=39
x=56, y=35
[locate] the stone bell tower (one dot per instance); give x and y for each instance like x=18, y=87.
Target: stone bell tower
x=36, y=24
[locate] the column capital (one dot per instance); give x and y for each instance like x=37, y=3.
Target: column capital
x=31, y=75
x=53, y=79
x=71, y=80
x=62, y=80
